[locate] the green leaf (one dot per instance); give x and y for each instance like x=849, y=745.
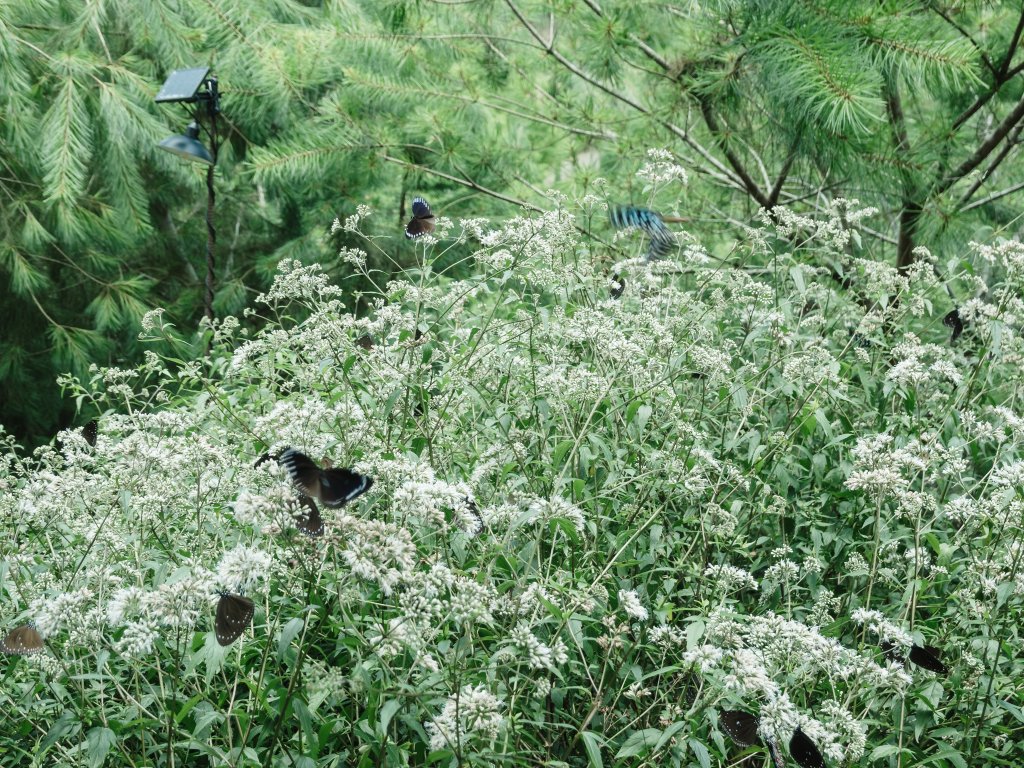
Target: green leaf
x=592, y=745
x=701, y=752
x=98, y=742
x=639, y=743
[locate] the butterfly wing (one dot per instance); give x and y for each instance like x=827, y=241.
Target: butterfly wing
x=419, y=227
x=927, y=657
x=805, y=751
x=663, y=242
x=22, y=641
x=422, y=221
x=952, y=320
x=90, y=431
x=263, y=460
x=420, y=208
x=302, y=470
x=310, y=522
x=339, y=486
x=234, y=614
x=618, y=285
x=740, y=726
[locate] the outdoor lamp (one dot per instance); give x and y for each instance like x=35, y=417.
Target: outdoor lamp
x=188, y=145
x=196, y=89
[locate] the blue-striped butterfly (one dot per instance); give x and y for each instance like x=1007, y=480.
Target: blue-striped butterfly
x=334, y=486
x=663, y=242
x=422, y=221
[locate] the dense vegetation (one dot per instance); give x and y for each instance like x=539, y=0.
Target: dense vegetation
x=912, y=107
x=614, y=498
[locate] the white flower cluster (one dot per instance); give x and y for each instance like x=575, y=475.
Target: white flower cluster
x=729, y=578
x=376, y=551
x=242, y=567
x=428, y=498
x=887, y=631
x=661, y=168
x=473, y=714
x=629, y=601
x=296, y=281
x=539, y=655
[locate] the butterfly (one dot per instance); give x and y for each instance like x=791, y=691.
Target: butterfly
x=22, y=641
x=924, y=656
x=89, y=432
x=365, y=341
x=663, y=242
x=952, y=320
x=310, y=523
x=742, y=727
x=422, y=221
x=618, y=285
x=234, y=614
x=333, y=486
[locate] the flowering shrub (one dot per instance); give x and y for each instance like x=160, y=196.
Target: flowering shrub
x=596, y=522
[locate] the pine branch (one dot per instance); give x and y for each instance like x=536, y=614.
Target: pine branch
x=548, y=47
x=983, y=150
x=748, y=183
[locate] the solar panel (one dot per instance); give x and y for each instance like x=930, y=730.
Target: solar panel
x=182, y=84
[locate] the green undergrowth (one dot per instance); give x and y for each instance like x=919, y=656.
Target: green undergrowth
x=596, y=522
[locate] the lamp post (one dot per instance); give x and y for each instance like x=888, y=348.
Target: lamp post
x=198, y=88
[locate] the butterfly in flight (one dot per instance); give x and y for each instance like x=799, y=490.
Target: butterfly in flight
x=334, y=486
x=952, y=320
x=21, y=641
x=234, y=614
x=663, y=242
x=742, y=727
x=422, y=221
x=924, y=656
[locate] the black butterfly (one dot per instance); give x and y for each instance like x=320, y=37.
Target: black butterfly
x=310, y=523
x=334, y=487
x=924, y=656
x=89, y=432
x=742, y=728
x=663, y=242
x=234, y=614
x=422, y=221
x=365, y=341
x=805, y=751
x=22, y=641
x=618, y=285
x=952, y=320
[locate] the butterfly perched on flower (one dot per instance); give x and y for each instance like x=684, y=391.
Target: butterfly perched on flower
x=234, y=614
x=743, y=728
x=663, y=242
x=90, y=431
x=333, y=486
x=952, y=320
x=618, y=285
x=422, y=221
x=22, y=641
x=924, y=656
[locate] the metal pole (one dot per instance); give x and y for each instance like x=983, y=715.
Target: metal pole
x=211, y=233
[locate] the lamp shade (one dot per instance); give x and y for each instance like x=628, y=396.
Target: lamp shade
x=188, y=146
